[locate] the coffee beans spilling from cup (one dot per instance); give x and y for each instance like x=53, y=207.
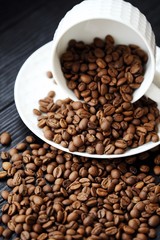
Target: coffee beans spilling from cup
x=104, y=76
x=105, y=129
x=102, y=71
x=56, y=195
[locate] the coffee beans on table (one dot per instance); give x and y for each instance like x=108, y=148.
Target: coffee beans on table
x=57, y=195
x=5, y=138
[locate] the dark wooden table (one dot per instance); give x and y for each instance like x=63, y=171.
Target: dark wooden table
x=26, y=25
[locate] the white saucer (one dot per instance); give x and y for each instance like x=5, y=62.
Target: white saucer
x=32, y=84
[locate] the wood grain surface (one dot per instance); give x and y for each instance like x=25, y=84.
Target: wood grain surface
x=25, y=26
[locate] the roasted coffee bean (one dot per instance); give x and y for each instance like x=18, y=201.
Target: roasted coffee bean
x=30, y=219
x=115, y=173
x=121, y=143
x=5, y=218
x=99, y=148
x=154, y=221
x=21, y=146
x=5, y=194
x=85, y=78
x=78, y=140
x=3, y=174
x=7, y=233
x=49, y=74
x=88, y=221
x=128, y=229
x=109, y=149
x=25, y=235
x=72, y=216
x=157, y=159
x=110, y=231
x=5, y=138
x=6, y=165
x=5, y=155
x=156, y=170
x=134, y=223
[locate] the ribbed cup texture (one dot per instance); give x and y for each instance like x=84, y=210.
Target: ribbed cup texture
x=117, y=10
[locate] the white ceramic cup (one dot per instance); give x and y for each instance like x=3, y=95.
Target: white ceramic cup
x=97, y=18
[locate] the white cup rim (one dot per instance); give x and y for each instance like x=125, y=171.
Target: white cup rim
x=149, y=46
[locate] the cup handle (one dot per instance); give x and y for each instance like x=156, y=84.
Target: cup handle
x=154, y=89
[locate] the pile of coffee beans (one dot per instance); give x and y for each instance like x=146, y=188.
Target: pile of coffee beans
x=111, y=128
x=99, y=71
x=104, y=75
x=56, y=195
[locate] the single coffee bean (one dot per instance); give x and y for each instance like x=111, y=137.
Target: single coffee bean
x=5, y=218
x=85, y=78
x=109, y=149
x=152, y=233
x=20, y=218
x=105, y=125
x=5, y=138
x=135, y=213
x=30, y=139
x=7, y=233
x=88, y=221
x=110, y=231
x=21, y=146
x=140, y=205
x=115, y=173
x=121, y=143
x=5, y=155
x=128, y=229
x=99, y=148
x=73, y=176
x=3, y=174
x=25, y=235
x=134, y=223
x=49, y=74
x=5, y=194
x=78, y=140
x=11, y=225
x=93, y=170
x=6, y=165
x=30, y=219
x=37, y=200
x=42, y=236
x=154, y=221
x=156, y=170
x=72, y=216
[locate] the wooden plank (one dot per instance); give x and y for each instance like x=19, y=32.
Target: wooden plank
x=13, y=11
x=11, y=122
x=17, y=43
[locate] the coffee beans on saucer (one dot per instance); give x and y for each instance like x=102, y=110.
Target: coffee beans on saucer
x=104, y=75
x=111, y=128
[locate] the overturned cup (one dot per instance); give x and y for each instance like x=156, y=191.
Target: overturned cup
x=91, y=19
